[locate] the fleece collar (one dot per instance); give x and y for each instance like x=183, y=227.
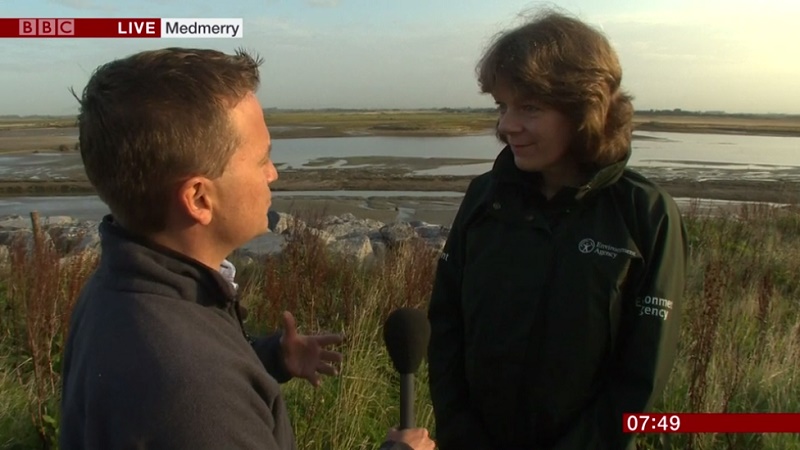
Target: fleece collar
x=505, y=170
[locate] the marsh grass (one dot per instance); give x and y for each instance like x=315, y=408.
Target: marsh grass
x=329, y=293
x=390, y=123
x=40, y=291
x=740, y=343
x=446, y=121
x=739, y=352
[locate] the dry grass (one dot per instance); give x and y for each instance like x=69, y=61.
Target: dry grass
x=740, y=347
x=724, y=124
x=333, y=123
x=41, y=291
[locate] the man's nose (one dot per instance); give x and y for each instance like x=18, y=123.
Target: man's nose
x=272, y=173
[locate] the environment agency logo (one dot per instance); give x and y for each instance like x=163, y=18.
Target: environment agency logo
x=586, y=246
x=589, y=245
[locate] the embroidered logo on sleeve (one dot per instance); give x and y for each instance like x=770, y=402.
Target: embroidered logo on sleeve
x=654, y=306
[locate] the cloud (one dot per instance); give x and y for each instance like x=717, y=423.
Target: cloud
x=281, y=32
x=323, y=3
x=734, y=59
x=728, y=37
x=84, y=5
x=77, y=4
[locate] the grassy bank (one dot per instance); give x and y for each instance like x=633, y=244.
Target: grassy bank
x=378, y=123
x=719, y=124
x=288, y=124
x=740, y=348
x=460, y=122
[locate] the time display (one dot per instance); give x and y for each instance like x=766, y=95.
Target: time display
x=651, y=423
x=711, y=423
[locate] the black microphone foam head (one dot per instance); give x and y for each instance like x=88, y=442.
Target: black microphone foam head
x=406, y=333
x=272, y=219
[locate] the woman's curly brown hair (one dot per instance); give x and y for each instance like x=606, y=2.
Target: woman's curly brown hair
x=570, y=66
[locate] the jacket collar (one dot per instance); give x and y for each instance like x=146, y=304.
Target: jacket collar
x=505, y=170
x=151, y=268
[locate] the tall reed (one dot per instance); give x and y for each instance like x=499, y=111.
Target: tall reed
x=739, y=348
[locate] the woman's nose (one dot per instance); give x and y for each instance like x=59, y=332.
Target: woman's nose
x=509, y=123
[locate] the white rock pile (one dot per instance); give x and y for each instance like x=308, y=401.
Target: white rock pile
x=347, y=235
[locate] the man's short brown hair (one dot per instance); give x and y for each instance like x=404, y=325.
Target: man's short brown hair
x=152, y=120
x=571, y=67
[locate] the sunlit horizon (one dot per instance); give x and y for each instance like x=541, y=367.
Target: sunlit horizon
x=731, y=57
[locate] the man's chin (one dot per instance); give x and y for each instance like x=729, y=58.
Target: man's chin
x=263, y=229
x=256, y=235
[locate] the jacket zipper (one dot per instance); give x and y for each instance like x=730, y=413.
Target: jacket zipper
x=239, y=318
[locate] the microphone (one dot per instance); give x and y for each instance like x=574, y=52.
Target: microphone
x=406, y=333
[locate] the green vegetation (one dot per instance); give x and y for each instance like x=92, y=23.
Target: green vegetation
x=740, y=349
x=37, y=122
x=333, y=123
x=377, y=123
x=289, y=123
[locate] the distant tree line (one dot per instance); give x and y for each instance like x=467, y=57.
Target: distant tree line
x=682, y=112
x=647, y=112
x=642, y=112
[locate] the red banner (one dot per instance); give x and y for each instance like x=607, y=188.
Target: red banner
x=711, y=423
x=80, y=28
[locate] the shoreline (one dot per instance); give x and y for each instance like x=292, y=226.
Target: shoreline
x=29, y=135
x=390, y=208
x=59, y=136
x=299, y=181
x=390, y=174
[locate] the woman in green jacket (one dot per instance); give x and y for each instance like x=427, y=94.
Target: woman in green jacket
x=557, y=300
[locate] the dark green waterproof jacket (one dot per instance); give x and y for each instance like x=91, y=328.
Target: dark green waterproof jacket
x=552, y=318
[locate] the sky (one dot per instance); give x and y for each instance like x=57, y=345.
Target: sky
x=737, y=56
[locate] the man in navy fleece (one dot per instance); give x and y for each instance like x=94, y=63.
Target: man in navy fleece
x=175, y=143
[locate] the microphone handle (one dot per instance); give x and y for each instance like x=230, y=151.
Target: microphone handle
x=407, y=401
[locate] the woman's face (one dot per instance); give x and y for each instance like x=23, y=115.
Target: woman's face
x=539, y=135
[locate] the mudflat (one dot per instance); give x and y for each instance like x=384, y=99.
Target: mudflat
x=21, y=136
x=377, y=180
x=287, y=124
x=26, y=139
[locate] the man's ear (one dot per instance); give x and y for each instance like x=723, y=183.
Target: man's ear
x=195, y=198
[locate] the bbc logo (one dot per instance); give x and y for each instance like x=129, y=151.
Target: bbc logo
x=47, y=27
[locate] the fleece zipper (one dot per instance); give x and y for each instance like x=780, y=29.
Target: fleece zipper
x=238, y=314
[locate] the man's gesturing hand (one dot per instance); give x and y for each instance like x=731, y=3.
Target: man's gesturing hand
x=307, y=356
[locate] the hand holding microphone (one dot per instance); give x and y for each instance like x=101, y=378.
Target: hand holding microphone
x=406, y=334
x=416, y=438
